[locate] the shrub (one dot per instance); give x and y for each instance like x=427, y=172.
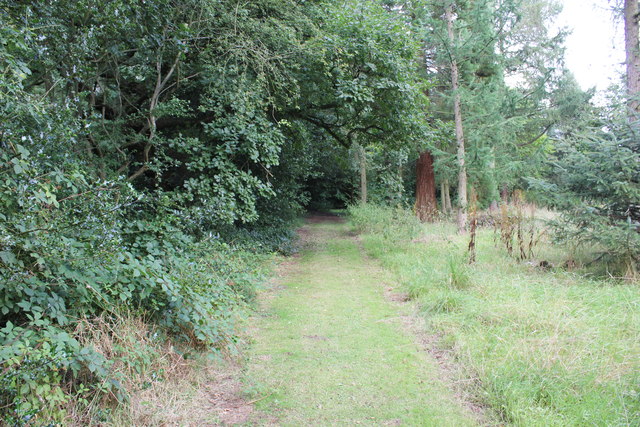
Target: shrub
x=72, y=247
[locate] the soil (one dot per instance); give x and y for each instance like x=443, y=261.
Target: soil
x=320, y=217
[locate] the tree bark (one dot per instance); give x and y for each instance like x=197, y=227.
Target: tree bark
x=443, y=203
x=493, y=186
x=504, y=194
x=457, y=112
x=447, y=197
x=632, y=56
x=401, y=177
x=152, y=118
x=426, y=205
x=362, y=160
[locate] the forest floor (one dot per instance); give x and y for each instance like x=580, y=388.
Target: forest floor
x=333, y=344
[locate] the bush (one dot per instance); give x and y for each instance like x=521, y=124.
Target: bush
x=77, y=246
x=196, y=296
x=72, y=247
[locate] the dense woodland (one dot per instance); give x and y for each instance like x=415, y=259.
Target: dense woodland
x=155, y=152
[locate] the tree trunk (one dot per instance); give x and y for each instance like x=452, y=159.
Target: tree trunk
x=362, y=157
x=401, y=177
x=447, y=197
x=632, y=56
x=504, y=194
x=493, y=185
x=443, y=203
x=426, y=206
x=457, y=112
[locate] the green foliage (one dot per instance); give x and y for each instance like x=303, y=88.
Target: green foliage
x=386, y=176
x=370, y=91
x=511, y=86
x=35, y=366
x=596, y=183
x=152, y=152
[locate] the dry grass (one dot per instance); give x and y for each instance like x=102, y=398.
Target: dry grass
x=165, y=385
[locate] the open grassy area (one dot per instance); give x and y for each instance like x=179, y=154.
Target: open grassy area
x=541, y=347
x=331, y=350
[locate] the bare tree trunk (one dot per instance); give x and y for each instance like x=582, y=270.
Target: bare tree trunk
x=401, y=177
x=362, y=157
x=493, y=207
x=474, y=226
x=631, y=15
x=457, y=112
x=446, y=201
x=426, y=205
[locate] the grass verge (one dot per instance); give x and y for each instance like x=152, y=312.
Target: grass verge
x=547, y=347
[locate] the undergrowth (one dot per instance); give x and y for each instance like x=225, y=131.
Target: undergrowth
x=543, y=345
x=161, y=381
x=72, y=361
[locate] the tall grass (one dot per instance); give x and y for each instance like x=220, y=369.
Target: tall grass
x=543, y=346
x=391, y=223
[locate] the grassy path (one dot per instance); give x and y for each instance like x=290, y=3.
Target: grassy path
x=331, y=350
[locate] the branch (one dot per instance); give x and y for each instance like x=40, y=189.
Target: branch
x=139, y=172
x=151, y=120
x=327, y=127
x=531, y=141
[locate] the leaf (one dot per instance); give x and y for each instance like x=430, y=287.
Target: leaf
x=8, y=257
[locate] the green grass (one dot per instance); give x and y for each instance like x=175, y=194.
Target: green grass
x=547, y=347
x=331, y=350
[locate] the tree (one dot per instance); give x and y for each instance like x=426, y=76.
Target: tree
x=592, y=176
x=595, y=182
x=360, y=84
x=426, y=206
x=457, y=113
x=632, y=52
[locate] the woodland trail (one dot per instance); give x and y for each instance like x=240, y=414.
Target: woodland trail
x=330, y=349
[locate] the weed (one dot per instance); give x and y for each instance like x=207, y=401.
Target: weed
x=443, y=302
x=517, y=228
x=459, y=277
x=392, y=223
x=159, y=382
